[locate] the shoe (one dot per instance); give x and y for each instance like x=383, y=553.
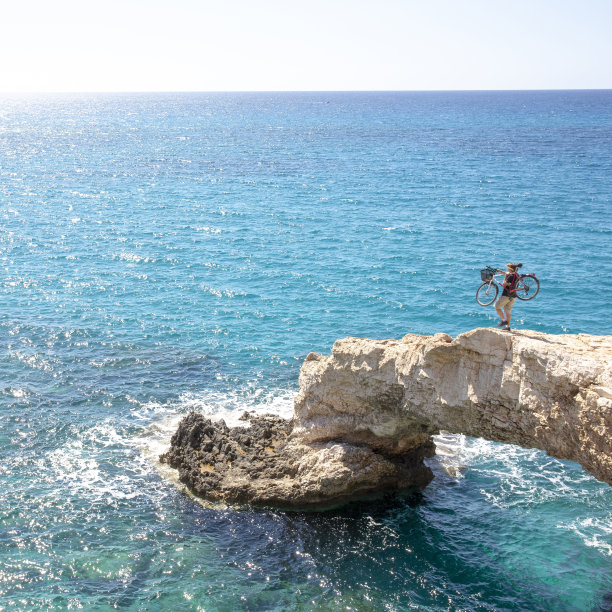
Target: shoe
x=502, y=323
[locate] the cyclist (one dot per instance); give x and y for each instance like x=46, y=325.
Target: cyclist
x=508, y=296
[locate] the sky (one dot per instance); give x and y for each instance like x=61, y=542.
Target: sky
x=296, y=45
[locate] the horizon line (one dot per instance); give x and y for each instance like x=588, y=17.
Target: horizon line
x=295, y=91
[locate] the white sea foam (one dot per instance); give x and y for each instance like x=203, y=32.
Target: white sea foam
x=80, y=194
x=81, y=465
x=594, y=532
x=19, y=393
x=221, y=292
x=448, y=454
x=133, y=257
x=516, y=467
x=35, y=361
x=526, y=478
x=163, y=419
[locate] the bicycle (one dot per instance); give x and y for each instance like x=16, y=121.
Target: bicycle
x=527, y=286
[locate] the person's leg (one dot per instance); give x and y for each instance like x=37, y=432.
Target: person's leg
x=508, y=310
x=498, y=306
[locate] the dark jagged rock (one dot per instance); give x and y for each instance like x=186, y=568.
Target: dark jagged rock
x=263, y=464
x=216, y=461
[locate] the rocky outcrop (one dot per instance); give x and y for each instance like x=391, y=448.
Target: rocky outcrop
x=364, y=415
x=263, y=464
x=526, y=388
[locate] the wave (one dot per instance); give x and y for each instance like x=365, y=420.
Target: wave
x=154, y=438
x=511, y=478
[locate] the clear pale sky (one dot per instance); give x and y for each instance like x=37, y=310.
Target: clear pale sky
x=274, y=45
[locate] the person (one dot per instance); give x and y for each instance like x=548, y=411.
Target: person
x=508, y=296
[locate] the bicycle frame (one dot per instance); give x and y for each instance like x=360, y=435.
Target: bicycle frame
x=502, y=275
x=495, y=280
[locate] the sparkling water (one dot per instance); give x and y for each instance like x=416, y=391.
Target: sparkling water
x=163, y=253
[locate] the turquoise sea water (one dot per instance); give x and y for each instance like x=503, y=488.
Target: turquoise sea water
x=162, y=253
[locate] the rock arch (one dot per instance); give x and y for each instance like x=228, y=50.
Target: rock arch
x=365, y=415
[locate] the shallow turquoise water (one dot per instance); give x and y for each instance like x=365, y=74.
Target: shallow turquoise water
x=161, y=253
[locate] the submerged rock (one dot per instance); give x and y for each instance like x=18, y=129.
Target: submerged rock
x=365, y=415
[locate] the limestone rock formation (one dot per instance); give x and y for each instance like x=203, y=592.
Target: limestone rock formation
x=364, y=415
x=552, y=392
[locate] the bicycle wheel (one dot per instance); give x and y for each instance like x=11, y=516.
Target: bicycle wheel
x=486, y=294
x=528, y=287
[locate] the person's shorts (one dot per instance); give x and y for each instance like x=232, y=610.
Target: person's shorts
x=505, y=302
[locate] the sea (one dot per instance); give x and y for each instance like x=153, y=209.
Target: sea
x=163, y=253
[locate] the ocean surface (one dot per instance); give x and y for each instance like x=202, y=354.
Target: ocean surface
x=161, y=253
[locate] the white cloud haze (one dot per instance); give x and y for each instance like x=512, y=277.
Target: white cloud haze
x=189, y=45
